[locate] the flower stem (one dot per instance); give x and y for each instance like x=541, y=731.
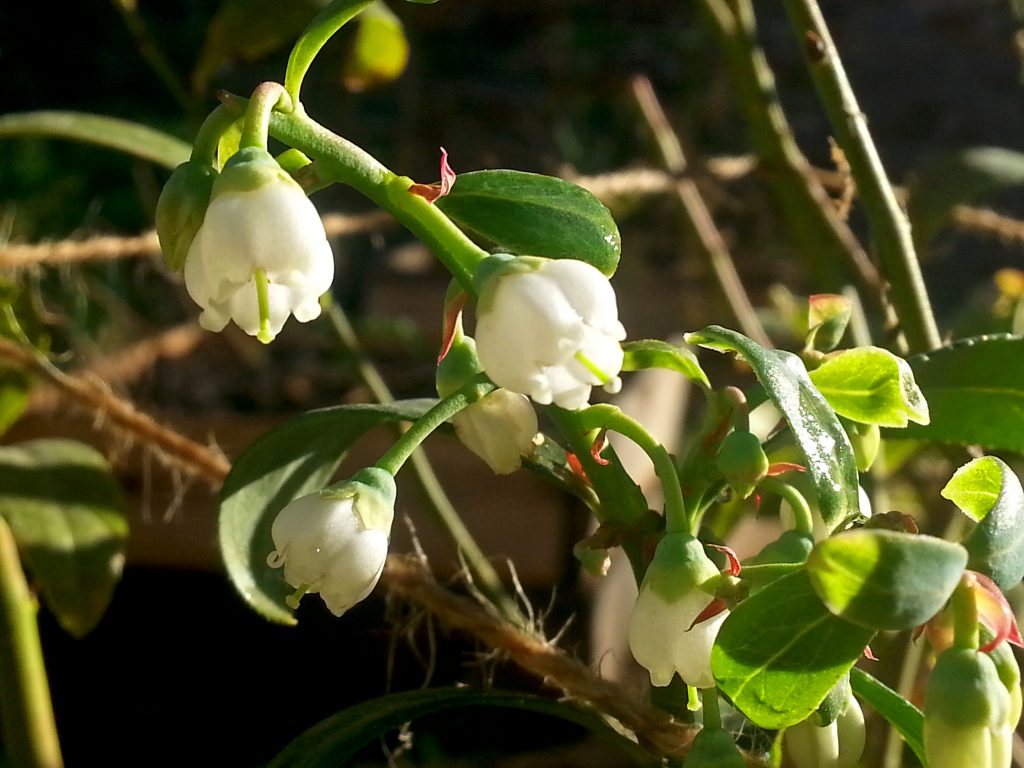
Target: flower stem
x=610, y=417
x=207, y=141
x=342, y=161
x=712, y=711
x=485, y=578
x=321, y=29
x=889, y=225
x=965, y=616
x=803, y=520
x=256, y=127
x=30, y=734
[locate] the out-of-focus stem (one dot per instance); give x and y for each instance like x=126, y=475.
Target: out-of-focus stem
x=697, y=215
x=29, y=730
x=890, y=227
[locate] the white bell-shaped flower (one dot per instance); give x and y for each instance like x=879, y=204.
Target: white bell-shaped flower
x=499, y=428
x=838, y=744
x=548, y=328
x=335, y=542
x=663, y=635
x=261, y=253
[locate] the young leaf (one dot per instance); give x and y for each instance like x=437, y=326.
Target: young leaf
x=61, y=501
x=988, y=491
x=975, y=393
x=334, y=741
x=872, y=386
x=110, y=132
x=901, y=714
x=829, y=457
x=884, y=579
x=781, y=651
x=290, y=461
x=529, y=214
x=654, y=353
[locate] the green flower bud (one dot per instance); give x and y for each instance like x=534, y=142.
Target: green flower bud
x=865, y=439
x=181, y=209
x=834, y=703
x=827, y=317
x=790, y=547
x=1009, y=673
x=836, y=745
x=742, y=462
x=714, y=748
x=966, y=713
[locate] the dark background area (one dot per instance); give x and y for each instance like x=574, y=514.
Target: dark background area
x=180, y=671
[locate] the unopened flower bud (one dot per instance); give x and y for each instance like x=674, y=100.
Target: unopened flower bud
x=500, y=427
x=548, y=329
x=676, y=589
x=836, y=745
x=742, y=462
x=966, y=713
x=335, y=542
x=714, y=748
x=181, y=209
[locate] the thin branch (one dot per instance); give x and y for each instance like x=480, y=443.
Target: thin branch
x=889, y=225
x=109, y=409
x=697, y=215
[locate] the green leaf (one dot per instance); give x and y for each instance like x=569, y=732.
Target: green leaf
x=110, y=132
x=827, y=450
x=248, y=30
x=885, y=579
x=958, y=179
x=337, y=739
x=781, y=651
x=975, y=393
x=61, y=501
x=290, y=461
x=380, y=51
x=872, y=386
x=14, y=392
x=901, y=714
x=987, y=490
x=654, y=353
x=528, y=214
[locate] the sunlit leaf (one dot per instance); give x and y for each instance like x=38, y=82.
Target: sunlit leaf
x=379, y=52
x=65, y=510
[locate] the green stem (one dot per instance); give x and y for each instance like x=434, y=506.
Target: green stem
x=712, y=711
x=207, y=141
x=321, y=29
x=29, y=730
x=890, y=228
x=803, y=520
x=396, y=456
x=611, y=418
x=344, y=162
x=805, y=204
x=965, y=617
x=768, y=571
x=485, y=578
x=256, y=128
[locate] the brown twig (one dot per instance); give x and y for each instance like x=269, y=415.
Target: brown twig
x=176, y=449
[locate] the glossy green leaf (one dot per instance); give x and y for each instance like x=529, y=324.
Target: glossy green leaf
x=975, y=393
x=110, y=132
x=872, y=386
x=654, y=353
x=528, y=214
x=829, y=456
x=901, y=714
x=337, y=739
x=987, y=490
x=61, y=501
x=781, y=651
x=290, y=461
x=885, y=579
x=958, y=179
x=380, y=51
